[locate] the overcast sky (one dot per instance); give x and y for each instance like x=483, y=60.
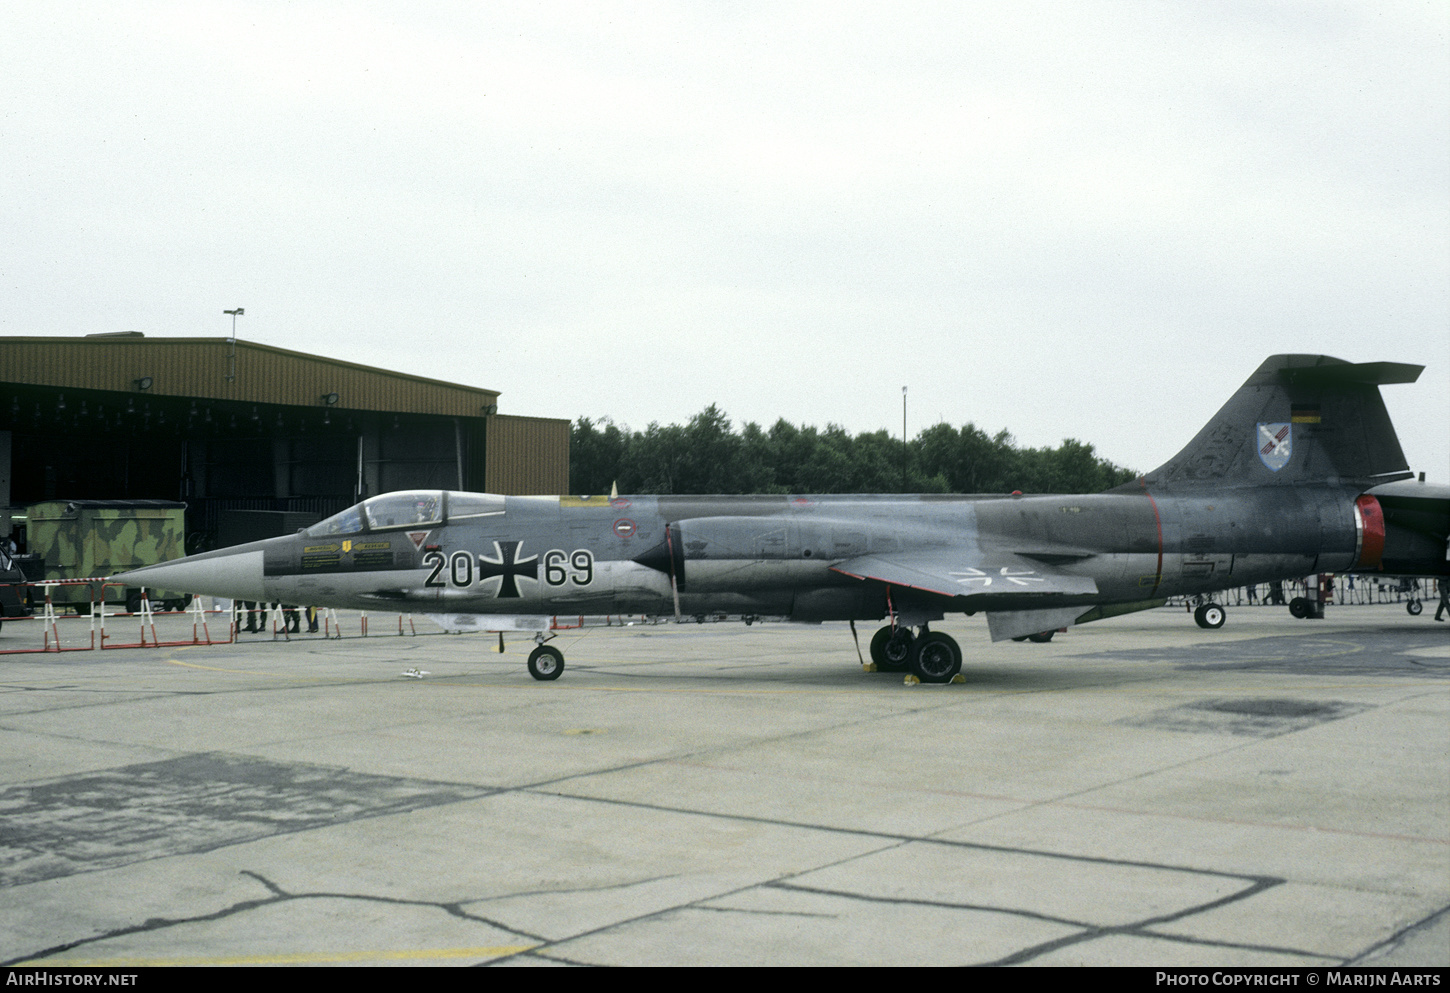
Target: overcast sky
x=1067, y=219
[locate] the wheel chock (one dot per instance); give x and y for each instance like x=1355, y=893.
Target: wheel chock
x=911, y=680
x=959, y=678
x=868, y=667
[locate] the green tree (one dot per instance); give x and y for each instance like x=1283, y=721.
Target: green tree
x=708, y=456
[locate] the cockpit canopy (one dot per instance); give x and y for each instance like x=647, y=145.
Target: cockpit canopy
x=408, y=509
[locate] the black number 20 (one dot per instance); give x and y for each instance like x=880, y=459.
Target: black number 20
x=436, y=561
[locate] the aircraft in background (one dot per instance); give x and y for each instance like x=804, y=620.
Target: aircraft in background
x=1288, y=479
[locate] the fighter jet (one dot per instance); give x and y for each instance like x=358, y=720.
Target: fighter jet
x=1280, y=484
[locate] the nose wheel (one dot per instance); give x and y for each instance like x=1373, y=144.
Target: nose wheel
x=546, y=662
x=1210, y=616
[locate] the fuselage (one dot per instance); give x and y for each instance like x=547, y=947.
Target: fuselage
x=434, y=552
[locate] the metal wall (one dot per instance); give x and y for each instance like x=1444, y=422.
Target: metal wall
x=218, y=369
x=526, y=455
x=79, y=427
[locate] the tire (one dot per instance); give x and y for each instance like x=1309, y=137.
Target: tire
x=546, y=662
x=1041, y=638
x=133, y=602
x=1414, y=607
x=1300, y=607
x=891, y=649
x=1210, y=616
x=936, y=658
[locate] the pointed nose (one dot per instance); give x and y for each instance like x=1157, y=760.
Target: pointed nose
x=233, y=573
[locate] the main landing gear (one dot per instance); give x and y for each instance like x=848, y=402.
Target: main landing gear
x=930, y=656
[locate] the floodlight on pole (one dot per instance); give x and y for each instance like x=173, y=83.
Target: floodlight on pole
x=232, y=343
x=235, y=314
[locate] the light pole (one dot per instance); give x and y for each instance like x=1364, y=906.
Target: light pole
x=232, y=344
x=903, y=439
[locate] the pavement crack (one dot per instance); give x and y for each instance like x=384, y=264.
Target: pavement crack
x=277, y=895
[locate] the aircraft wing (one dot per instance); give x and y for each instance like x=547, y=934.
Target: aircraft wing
x=966, y=572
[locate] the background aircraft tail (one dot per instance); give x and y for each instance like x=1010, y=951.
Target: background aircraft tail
x=1298, y=419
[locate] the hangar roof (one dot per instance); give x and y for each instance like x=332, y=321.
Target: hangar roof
x=229, y=369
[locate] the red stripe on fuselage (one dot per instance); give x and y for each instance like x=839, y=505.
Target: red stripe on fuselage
x=1158, y=520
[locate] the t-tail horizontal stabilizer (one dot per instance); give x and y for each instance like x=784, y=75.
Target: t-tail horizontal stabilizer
x=1298, y=419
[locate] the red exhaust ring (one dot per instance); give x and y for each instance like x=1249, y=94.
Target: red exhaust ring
x=1369, y=522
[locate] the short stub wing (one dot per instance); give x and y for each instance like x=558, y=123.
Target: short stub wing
x=964, y=573
x=1020, y=596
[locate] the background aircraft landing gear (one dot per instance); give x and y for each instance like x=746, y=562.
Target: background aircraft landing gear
x=1414, y=607
x=1040, y=638
x=935, y=658
x=1209, y=615
x=891, y=649
x=1305, y=609
x=546, y=662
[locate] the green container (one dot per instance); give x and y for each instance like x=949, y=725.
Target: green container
x=92, y=539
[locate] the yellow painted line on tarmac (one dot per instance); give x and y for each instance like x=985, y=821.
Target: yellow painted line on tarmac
x=297, y=958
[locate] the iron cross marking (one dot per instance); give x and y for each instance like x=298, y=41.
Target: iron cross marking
x=508, y=566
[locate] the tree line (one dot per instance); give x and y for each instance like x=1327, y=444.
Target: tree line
x=708, y=456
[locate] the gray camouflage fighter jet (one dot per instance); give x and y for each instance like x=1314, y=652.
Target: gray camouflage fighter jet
x=1287, y=479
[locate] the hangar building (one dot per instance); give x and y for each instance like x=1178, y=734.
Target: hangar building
x=228, y=425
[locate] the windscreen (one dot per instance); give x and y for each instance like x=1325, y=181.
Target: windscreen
x=347, y=522
x=401, y=510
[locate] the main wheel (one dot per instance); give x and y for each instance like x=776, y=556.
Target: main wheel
x=546, y=662
x=1041, y=637
x=936, y=658
x=891, y=649
x=1414, y=607
x=1209, y=615
x=1300, y=607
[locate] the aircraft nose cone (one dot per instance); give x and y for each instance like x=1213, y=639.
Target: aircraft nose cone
x=223, y=573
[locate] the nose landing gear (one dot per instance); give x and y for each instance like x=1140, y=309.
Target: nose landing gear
x=546, y=662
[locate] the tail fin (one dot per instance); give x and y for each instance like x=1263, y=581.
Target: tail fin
x=1299, y=418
